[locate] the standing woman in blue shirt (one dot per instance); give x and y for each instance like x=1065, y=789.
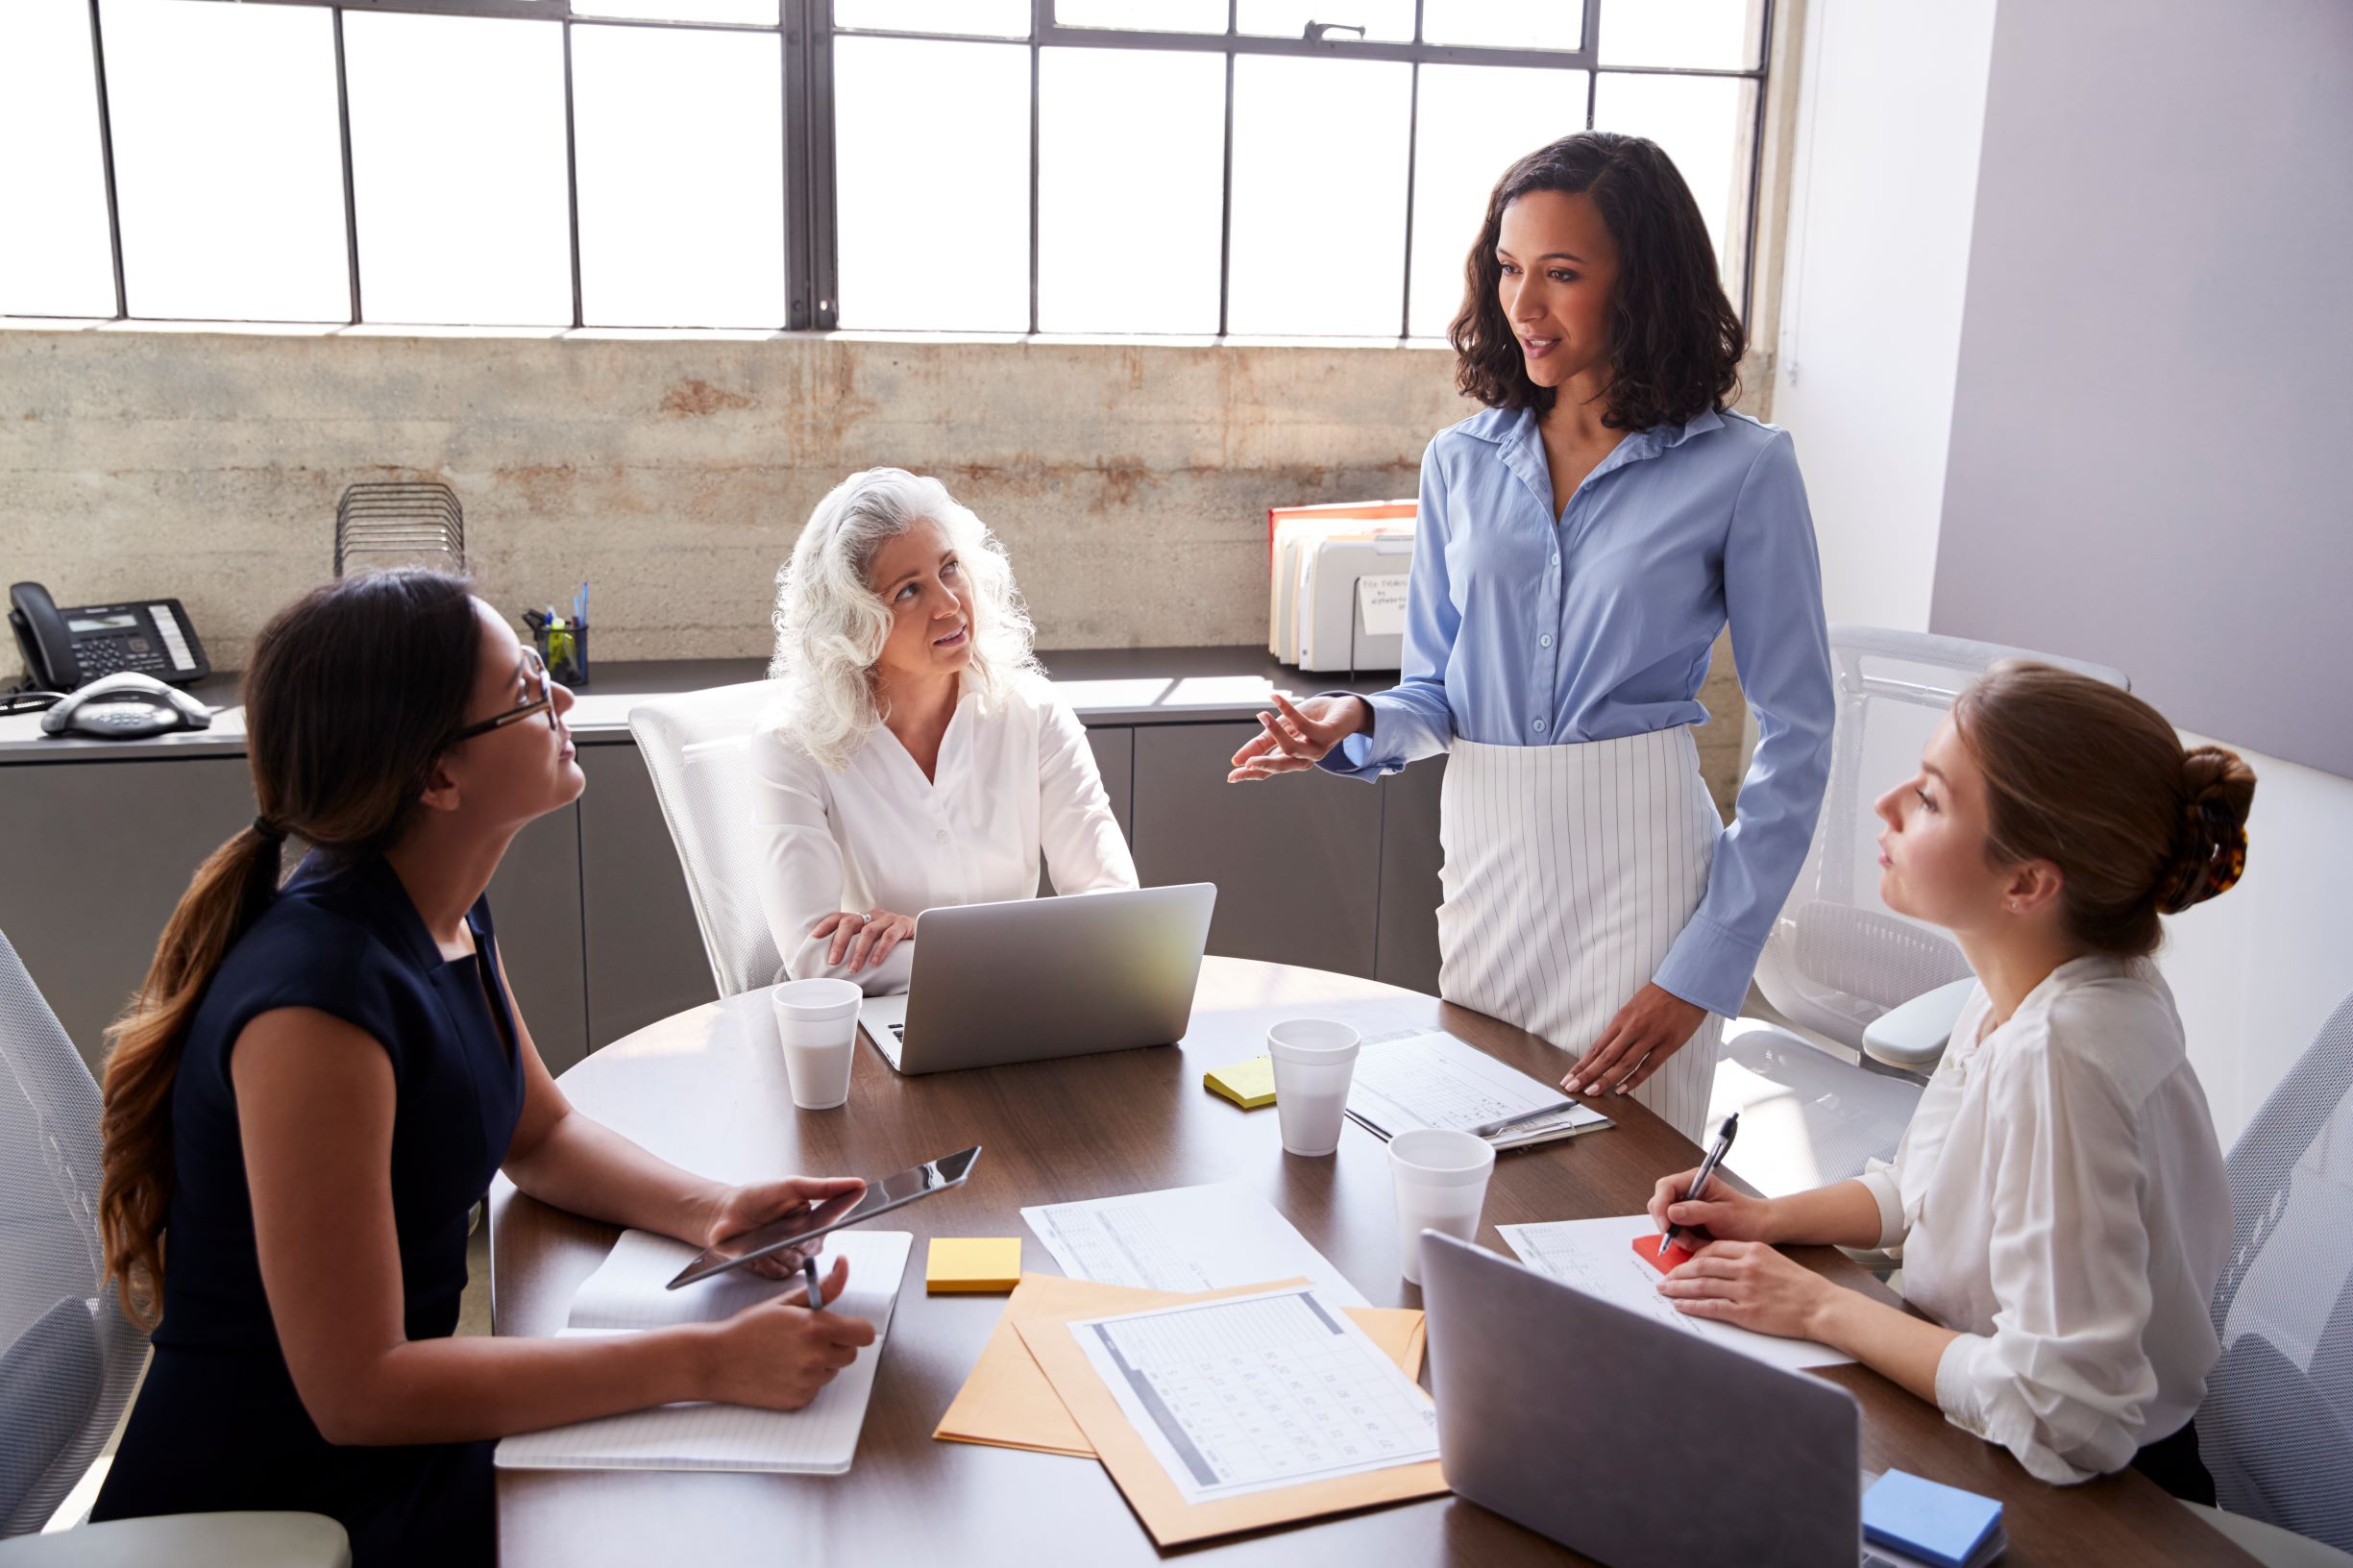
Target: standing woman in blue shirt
x=1580, y=544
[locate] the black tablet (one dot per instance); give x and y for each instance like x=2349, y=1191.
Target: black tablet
x=808, y=1224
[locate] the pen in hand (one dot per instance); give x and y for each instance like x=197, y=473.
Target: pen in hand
x=816, y=1288
x=1707, y=1169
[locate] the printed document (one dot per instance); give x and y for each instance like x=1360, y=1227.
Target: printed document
x=1187, y=1238
x=1434, y=1080
x=1255, y=1392
x=1597, y=1256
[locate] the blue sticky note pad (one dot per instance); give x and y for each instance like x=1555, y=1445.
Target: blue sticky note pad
x=1933, y=1522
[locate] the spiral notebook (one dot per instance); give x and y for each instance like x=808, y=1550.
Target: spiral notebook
x=625, y=1297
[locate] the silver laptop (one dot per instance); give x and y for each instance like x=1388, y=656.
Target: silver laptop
x=1536, y=1381
x=1035, y=978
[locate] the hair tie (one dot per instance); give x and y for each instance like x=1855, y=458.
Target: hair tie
x=269, y=830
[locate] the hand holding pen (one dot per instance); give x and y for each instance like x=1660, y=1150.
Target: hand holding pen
x=1699, y=1180
x=1683, y=1203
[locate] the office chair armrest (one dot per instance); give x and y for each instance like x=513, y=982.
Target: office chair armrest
x=1911, y=1038
x=190, y=1540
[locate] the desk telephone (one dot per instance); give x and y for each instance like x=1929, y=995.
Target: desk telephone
x=115, y=660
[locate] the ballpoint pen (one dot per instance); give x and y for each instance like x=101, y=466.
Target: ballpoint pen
x=816, y=1289
x=1707, y=1169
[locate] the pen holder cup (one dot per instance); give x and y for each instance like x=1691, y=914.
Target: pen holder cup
x=564, y=650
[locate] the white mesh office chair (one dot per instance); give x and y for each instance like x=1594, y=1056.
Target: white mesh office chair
x=1841, y=964
x=68, y=1356
x=2276, y=1428
x=696, y=747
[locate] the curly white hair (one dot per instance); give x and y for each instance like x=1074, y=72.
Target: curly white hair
x=831, y=626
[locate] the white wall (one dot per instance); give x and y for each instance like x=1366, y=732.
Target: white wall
x=1888, y=199
x=2258, y=969
x=1892, y=98
x=2151, y=397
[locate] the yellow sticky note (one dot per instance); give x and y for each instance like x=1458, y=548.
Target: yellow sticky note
x=972, y=1264
x=1247, y=1084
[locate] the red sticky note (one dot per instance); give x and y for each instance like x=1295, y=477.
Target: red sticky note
x=1653, y=1251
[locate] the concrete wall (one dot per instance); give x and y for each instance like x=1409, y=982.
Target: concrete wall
x=1129, y=481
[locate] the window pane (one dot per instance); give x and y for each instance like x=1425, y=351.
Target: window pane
x=58, y=264
x=458, y=168
x=228, y=160
x=931, y=149
x=758, y=11
x=1391, y=20
x=1476, y=121
x=988, y=18
x=1720, y=34
x=1705, y=124
x=1144, y=15
x=1130, y=156
x=1505, y=24
x=1319, y=197
x=680, y=141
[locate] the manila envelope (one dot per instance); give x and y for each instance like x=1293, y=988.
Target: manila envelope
x=1007, y=1403
x=1166, y=1514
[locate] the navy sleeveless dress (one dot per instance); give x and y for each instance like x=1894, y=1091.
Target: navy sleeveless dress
x=218, y=1424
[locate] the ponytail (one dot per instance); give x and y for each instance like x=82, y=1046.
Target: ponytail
x=227, y=895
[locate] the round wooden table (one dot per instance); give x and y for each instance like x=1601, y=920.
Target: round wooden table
x=706, y=1090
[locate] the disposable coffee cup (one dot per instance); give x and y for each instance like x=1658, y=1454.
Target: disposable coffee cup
x=817, y=1027
x=1440, y=1177
x=1313, y=1061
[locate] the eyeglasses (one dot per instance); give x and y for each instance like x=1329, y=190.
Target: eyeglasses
x=534, y=668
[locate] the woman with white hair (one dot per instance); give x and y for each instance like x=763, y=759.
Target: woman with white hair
x=916, y=756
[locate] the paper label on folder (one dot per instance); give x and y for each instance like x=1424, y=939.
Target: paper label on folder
x=1381, y=602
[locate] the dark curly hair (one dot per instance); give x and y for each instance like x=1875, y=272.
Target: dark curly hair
x=1675, y=340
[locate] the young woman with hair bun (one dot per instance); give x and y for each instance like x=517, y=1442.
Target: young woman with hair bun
x=2058, y=1201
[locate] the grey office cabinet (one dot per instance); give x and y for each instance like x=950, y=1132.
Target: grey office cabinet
x=1297, y=861
x=97, y=856
x=535, y=899
x=644, y=951
x=1114, y=758
x=1408, y=951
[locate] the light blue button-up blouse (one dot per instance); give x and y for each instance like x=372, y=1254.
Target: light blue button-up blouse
x=1523, y=629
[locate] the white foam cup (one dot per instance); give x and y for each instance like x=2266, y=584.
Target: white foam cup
x=1440, y=1177
x=817, y=1026
x=1313, y=1061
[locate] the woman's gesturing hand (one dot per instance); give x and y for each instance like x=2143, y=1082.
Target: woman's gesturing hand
x=864, y=940
x=1722, y=1212
x=1751, y=1285
x=1298, y=735
x=740, y=1209
x=776, y=1356
x=1654, y=1026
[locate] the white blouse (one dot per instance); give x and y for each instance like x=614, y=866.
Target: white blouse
x=2059, y=1199
x=1009, y=785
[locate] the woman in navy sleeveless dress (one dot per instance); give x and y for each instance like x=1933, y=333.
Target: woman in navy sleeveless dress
x=315, y=1085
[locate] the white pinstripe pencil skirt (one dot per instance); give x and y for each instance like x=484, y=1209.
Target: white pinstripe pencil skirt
x=1569, y=871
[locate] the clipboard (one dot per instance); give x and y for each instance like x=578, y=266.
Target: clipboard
x=1007, y=1403
x=1166, y=1516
